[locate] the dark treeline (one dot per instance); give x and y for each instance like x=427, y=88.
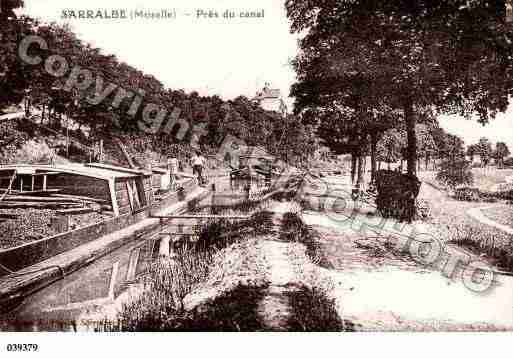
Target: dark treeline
x=239, y=117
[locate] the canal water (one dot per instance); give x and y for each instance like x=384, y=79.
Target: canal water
x=94, y=292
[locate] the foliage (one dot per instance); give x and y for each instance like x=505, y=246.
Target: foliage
x=454, y=172
x=14, y=74
x=486, y=240
x=390, y=146
x=34, y=152
x=240, y=117
x=501, y=151
x=11, y=140
x=453, y=57
x=167, y=284
x=293, y=229
x=508, y=162
x=396, y=195
x=484, y=150
x=470, y=194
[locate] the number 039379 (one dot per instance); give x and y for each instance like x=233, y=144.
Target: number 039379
x=22, y=347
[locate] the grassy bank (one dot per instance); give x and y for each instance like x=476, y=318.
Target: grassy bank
x=220, y=283
x=502, y=214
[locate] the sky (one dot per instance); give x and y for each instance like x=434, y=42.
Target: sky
x=211, y=56
x=216, y=56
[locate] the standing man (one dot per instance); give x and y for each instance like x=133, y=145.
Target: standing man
x=198, y=163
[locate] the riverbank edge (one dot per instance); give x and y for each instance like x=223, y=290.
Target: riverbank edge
x=31, y=279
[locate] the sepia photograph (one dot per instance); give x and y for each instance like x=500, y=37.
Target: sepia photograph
x=315, y=166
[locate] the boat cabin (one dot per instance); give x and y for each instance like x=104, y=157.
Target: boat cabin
x=120, y=190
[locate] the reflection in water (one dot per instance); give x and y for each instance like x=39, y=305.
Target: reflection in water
x=60, y=306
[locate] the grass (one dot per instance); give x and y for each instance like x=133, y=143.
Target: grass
x=501, y=214
x=486, y=178
x=168, y=282
x=452, y=224
x=312, y=310
x=210, y=262
x=166, y=285
x=295, y=230
x=496, y=245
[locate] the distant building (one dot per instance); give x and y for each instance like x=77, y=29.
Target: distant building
x=270, y=99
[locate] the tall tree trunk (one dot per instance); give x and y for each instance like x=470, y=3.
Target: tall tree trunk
x=361, y=164
x=374, y=142
x=412, y=138
x=353, y=166
x=427, y=163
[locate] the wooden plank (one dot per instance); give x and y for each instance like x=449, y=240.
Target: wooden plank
x=73, y=211
x=37, y=192
x=206, y=216
x=35, y=205
x=81, y=198
x=20, y=198
x=39, y=174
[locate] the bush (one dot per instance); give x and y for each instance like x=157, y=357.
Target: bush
x=11, y=140
x=423, y=209
x=33, y=152
x=508, y=162
x=397, y=195
x=470, y=194
x=501, y=195
x=455, y=172
x=293, y=229
x=167, y=284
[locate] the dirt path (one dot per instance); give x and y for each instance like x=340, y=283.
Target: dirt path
x=275, y=306
x=378, y=290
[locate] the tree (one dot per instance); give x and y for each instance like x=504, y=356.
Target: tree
x=11, y=141
x=13, y=74
x=484, y=150
x=426, y=144
x=454, y=172
x=501, y=151
x=390, y=146
x=453, y=56
x=471, y=152
x=455, y=169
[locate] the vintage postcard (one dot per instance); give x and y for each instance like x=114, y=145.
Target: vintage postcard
x=255, y=166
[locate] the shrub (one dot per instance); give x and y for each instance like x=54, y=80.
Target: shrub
x=33, y=152
x=508, y=162
x=455, y=172
x=471, y=194
x=397, y=193
x=423, y=208
x=167, y=284
x=501, y=195
x=293, y=229
x=11, y=140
